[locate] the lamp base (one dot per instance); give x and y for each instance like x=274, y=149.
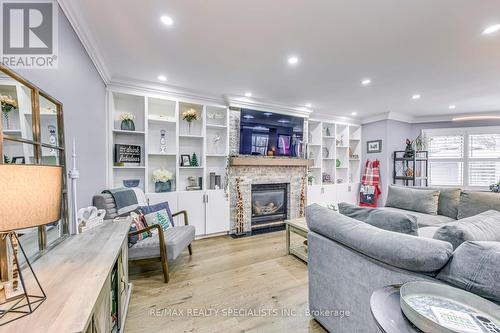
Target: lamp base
x=17, y=303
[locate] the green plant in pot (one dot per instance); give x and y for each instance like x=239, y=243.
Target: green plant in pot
x=8, y=105
x=163, y=180
x=127, y=121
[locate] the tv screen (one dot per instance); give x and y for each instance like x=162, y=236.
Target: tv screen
x=271, y=134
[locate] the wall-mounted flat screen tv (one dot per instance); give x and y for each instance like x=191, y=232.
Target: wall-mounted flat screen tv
x=270, y=134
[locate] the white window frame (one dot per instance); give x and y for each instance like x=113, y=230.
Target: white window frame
x=465, y=132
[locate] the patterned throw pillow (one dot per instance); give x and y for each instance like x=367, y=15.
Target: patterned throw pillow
x=160, y=217
x=154, y=208
x=138, y=223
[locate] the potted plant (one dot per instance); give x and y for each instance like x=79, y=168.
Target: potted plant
x=127, y=121
x=162, y=179
x=8, y=104
x=189, y=116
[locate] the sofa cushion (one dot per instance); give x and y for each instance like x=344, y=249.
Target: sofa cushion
x=399, y=250
x=480, y=227
x=176, y=238
x=138, y=223
x=423, y=201
x=423, y=220
x=473, y=203
x=383, y=219
x=474, y=267
x=449, y=199
x=427, y=232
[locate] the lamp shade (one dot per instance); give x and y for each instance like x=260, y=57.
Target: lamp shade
x=30, y=195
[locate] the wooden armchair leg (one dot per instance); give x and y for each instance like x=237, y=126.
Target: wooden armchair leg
x=164, y=266
x=190, y=250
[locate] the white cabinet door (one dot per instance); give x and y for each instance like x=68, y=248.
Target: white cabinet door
x=192, y=202
x=348, y=193
x=217, y=212
x=329, y=194
x=314, y=194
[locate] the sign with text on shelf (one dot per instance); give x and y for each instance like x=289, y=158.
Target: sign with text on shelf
x=127, y=153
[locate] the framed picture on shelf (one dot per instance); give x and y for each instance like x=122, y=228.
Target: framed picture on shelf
x=374, y=146
x=185, y=160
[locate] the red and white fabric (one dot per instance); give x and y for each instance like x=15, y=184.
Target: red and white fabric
x=370, y=181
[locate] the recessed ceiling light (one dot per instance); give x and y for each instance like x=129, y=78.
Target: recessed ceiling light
x=248, y=116
x=354, y=113
x=308, y=105
x=267, y=114
x=366, y=82
x=415, y=96
x=167, y=20
x=248, y=94
x=283, y=121
x=452, y=107
x=162, y=78
x=293, y=60
x=491, y=29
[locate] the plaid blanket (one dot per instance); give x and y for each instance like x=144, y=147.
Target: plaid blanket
x=370, y=181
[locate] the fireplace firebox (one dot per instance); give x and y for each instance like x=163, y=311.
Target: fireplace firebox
x=269, y=203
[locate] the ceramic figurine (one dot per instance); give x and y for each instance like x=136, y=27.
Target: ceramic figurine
x=163, y=142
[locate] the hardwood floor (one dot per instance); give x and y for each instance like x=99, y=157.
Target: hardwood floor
x=253, y=277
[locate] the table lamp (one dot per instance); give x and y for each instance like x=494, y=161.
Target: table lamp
x=30, y=196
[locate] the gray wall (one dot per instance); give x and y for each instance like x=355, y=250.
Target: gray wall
x=79, y=87
x=393, y=135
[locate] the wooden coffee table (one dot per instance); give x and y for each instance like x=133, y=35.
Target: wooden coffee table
x=297, y=247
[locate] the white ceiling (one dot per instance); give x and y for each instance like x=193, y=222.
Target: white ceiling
x=434, y=48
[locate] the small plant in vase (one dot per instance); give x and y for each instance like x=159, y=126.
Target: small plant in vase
x=163, y=180
x=190, y=116
x=127, y=121
x=8, y=104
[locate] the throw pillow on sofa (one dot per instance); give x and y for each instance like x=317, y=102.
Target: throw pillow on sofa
x=423, y=201
x=160, y=217
x=387, y=220
x=449, y=200
x=481, y=227
x=154, y=208
x=138, y=223
x=473, y=203
x=474, y=267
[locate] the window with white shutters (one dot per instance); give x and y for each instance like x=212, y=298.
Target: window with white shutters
x=468, y=157
x=446, y=159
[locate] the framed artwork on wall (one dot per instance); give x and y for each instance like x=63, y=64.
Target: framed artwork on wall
x=374, y=146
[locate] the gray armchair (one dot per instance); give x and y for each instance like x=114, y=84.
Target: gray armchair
x=164, y=245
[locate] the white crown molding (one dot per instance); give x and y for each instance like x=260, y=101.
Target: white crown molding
x=86, y=39
x=388, y=116
x=173, y=92
x=317, y=116
x=256, y=104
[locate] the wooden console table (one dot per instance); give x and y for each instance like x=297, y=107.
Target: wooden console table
x=76, y=276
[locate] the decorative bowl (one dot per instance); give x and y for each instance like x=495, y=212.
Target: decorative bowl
x=131, y=182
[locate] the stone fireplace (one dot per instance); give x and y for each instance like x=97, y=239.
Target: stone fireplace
x=283, y=179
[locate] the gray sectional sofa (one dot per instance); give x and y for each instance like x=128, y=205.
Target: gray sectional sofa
x=352, y=256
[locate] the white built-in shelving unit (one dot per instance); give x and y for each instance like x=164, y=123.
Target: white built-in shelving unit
x=207, y=137
x=335, y=149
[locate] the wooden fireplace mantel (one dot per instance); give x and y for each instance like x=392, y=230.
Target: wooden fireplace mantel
x=270, y=161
